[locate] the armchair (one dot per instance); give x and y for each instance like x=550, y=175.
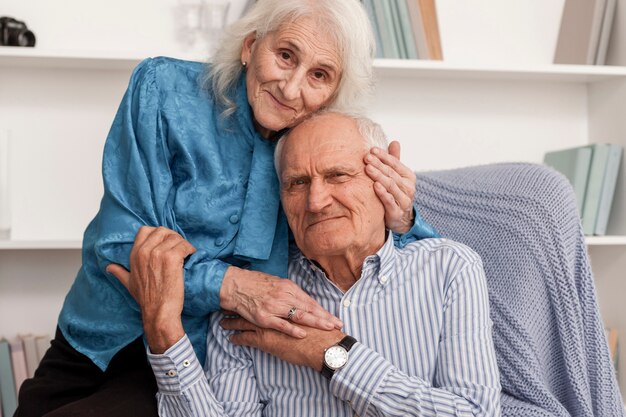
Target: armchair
x=549, y=337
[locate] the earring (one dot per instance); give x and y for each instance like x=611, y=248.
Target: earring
x=245, y=64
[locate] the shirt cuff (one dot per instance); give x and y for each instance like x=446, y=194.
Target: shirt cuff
x=358, y=381
x=177, y=369
x=420, y=230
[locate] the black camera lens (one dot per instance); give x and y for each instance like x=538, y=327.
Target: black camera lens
x=25, y=38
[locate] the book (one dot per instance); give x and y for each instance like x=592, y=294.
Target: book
x=579, y=33
x=611, y=171
x=431, y=28
x=397, y=28
x=30, y=351
x=417, y=26
x=18, y=360
x=369, y=9
x=599, y=158
x=605, y=32
x=42, y=343
x=7, y=385
x=406, y=30
x=574, y=163
x=387, y=33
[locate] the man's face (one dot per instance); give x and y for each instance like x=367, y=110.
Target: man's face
x=328, y=198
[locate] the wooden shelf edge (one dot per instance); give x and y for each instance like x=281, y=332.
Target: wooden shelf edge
x=39, y=244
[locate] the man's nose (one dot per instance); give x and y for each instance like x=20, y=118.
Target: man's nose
x=319, y=196
x=292, y=83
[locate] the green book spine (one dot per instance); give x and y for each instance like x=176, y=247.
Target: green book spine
x=7, y=384
x=385, y=23
x=407, y=31
x=574, y=163
x=369, y=8
x=608, y=189
x=597, y=170
x=397, y=28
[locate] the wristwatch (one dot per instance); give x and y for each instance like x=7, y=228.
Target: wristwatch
x=336, y=356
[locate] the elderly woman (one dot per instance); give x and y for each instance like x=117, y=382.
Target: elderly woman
x=191, y=150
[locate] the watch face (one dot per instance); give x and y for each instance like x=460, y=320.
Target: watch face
x=335, y=357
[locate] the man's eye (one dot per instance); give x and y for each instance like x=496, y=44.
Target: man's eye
x=298, y=182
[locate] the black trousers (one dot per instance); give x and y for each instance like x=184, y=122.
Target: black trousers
x=67, y=383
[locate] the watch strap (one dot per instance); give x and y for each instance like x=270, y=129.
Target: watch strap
x=346, y=343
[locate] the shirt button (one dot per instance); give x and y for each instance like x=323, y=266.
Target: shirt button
x=383, y=278
x=172, y=373
x=234, y=219
x=219, y=241
x=186, y=363
x=346, y=303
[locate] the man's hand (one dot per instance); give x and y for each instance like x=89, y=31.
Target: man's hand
x=394, y=183
x=266, y=301
x=156, y=282
x=307, y=351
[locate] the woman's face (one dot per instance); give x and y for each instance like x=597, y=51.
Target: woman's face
x=291, y=73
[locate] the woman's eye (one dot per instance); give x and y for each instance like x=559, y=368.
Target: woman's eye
x=285, y=55
x=319, y=75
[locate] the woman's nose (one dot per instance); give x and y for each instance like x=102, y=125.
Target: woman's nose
x=292, y=84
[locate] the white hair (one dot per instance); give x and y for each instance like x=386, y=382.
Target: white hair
x=345, y=21
x=371, y=133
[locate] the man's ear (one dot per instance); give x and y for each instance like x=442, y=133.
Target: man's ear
x=246, y=49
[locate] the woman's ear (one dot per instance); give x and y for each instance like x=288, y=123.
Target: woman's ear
x=246, y=49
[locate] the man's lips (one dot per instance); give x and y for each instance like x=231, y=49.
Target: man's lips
x=324, y=219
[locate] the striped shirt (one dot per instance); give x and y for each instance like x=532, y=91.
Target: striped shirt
x=421, y=318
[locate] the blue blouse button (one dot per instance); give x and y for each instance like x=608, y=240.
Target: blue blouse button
x=219, y=241
x=234, y=219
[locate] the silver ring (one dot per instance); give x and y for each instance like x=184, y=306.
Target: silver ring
x=292, y=313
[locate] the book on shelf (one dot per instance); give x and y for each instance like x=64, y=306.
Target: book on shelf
x=7, y=383
x=574, y=163
x=593, y=171
x=18, y=360
x=605, y=32
x=405, y=29
x=42, y=344
x=584, y=32
x=609, y=182
x=431, y=28
x=30, y=351
x=369, y=8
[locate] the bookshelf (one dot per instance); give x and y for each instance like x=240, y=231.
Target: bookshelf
x=445, y=116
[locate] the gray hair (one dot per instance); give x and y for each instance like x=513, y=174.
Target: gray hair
x=345, y=20
x=370, y=131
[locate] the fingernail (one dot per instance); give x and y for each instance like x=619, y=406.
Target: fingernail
x=375, y=151
x=300, y=333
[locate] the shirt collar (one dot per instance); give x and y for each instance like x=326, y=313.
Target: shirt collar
x=382, y=261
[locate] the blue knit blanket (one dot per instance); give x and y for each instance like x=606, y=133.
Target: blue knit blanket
x=549, y=337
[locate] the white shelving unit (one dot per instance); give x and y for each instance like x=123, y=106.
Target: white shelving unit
x=59, y=105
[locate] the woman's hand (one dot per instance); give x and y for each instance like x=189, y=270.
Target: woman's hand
x=308, y=351
x=267, y=301
x=156, y=282
x=394, y=183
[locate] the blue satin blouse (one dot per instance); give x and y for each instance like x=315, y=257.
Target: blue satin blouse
x=171, y=160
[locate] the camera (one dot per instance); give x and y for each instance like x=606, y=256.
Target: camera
x=15, y=33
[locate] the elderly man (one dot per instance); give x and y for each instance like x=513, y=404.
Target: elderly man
x=416, y=336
